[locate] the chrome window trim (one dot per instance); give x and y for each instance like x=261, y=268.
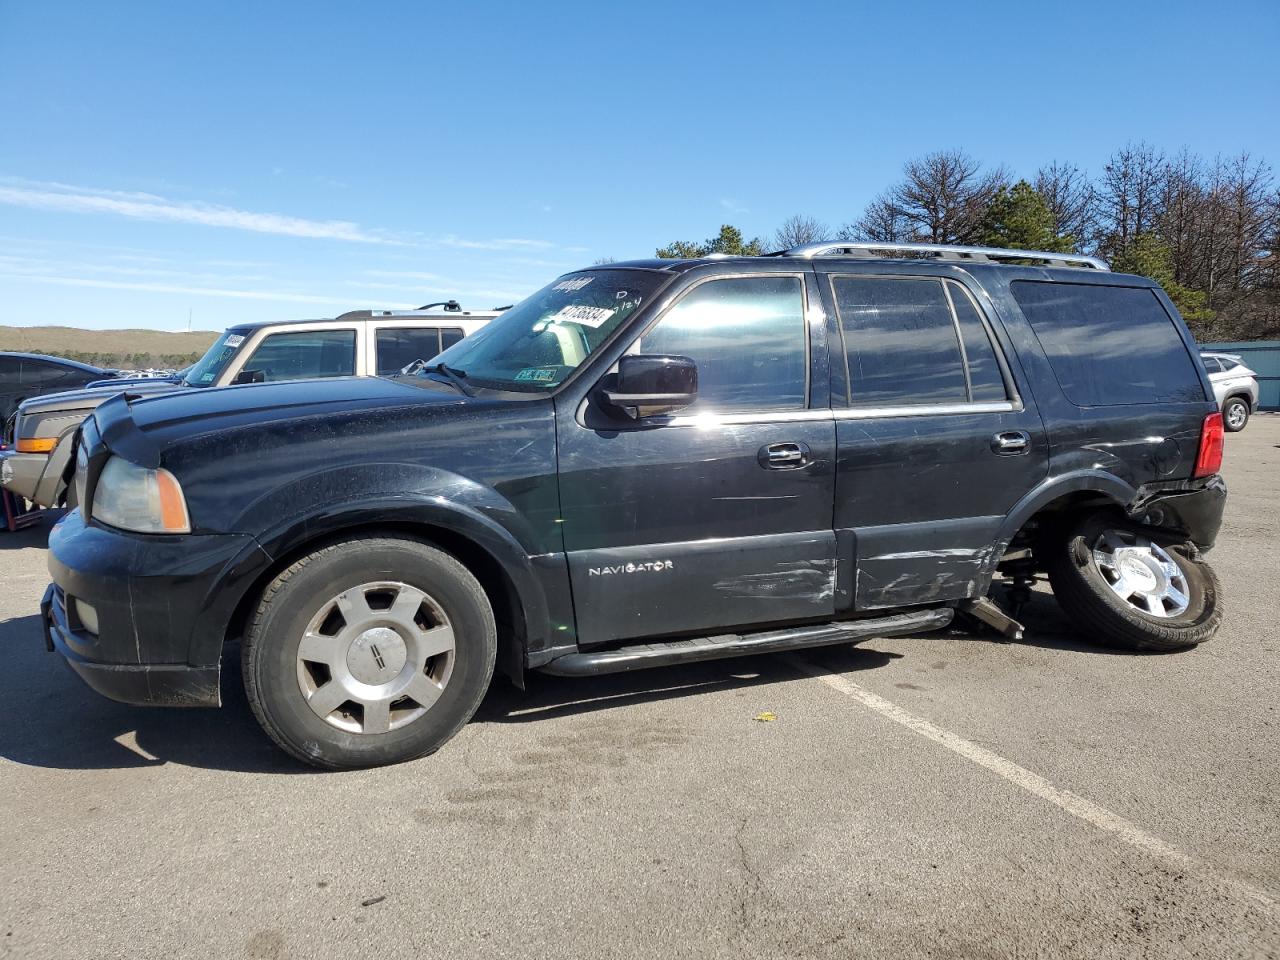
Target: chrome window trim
x=713, y=419
x=926, y=410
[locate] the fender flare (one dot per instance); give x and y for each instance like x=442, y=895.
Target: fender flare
x=461, y=507
x=1078, y=481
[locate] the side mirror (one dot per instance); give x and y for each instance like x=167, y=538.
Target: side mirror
x=652, y=386
x=250, y=376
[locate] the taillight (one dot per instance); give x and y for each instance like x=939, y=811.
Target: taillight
x=1209, y=459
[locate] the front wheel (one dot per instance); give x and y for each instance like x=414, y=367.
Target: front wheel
x=370, y=651
x=1235, y=414
x=1129, y=590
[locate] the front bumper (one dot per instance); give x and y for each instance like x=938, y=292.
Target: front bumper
x=162, y=605
x=24, y=474
x=163, y=684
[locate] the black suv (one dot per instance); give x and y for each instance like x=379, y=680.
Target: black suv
x=647, y=463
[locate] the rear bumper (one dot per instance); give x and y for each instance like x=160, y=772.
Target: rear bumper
x=1191, y=508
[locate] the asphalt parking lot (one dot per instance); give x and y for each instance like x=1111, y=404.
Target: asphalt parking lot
x=940, y=796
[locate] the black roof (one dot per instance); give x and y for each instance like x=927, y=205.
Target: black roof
x=63, y=361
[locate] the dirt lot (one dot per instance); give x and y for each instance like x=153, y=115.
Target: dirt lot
x=941, y=796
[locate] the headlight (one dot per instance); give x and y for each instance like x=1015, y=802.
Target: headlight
x=134, y=498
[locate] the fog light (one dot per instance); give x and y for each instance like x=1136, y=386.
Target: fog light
x=87, y=616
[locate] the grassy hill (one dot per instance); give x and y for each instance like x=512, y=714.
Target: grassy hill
x=132, y=349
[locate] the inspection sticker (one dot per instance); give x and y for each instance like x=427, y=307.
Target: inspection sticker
x=537, y=374
x=568, y=286
x=587, y=316
x=234, y=341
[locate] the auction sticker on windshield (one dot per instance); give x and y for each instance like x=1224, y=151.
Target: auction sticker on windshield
x=586, y=316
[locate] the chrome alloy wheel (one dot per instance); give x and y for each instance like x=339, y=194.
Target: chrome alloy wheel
x=1141, y=573
x=375, y=657
x=1237, y=414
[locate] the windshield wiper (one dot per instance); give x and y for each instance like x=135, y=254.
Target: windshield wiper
x=453, y=375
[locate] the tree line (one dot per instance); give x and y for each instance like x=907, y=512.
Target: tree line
x=1207, y=230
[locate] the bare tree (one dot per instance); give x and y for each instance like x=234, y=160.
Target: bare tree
x=1129, y=195
x=798, y=229
x=1071, y=198
x=882, y=221
x=941, y=199
x=602, y=261
x=1183, y=214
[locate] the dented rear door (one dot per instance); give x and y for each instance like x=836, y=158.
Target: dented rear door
x=935, y=441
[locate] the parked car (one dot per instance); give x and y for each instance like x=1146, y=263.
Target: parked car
x=362, y=342
x=1235, y=387
x=677, y=460
x=25, y=375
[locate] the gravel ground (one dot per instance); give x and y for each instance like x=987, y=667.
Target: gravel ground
x=940, y=796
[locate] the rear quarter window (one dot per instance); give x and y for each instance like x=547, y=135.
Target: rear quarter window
x=1109, y=345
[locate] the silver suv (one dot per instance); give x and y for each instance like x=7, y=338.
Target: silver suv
x=1235, y=387
x=358, y=343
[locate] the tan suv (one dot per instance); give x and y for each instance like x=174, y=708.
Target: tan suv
x=359, y=343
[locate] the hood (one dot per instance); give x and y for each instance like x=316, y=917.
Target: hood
x=141, y=427
x=89, y=397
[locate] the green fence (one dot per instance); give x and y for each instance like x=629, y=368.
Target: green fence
x=1262, y=356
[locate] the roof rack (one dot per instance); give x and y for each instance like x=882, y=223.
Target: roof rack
x=942, y=251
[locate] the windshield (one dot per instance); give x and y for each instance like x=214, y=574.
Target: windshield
x=205, y=371
x=536, y=344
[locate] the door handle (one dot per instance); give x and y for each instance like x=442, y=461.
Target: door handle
x=1011, y=442
x=783, y=456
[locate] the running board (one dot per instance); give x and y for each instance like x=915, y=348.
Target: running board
x=643, y=655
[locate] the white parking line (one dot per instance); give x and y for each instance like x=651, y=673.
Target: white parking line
x=1035, y=784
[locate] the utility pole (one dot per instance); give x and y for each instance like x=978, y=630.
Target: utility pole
x=188, y=319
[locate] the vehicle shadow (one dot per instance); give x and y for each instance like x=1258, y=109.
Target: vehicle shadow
x=1049, y=627
x=548, y=696
x=57, y=722
x=36, y=535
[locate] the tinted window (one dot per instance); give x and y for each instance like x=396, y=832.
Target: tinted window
x=900, y=341
x=985, y=379
x=314, y=353
x=1212, y=364
x=1109, y=345
x=399, y=347
x=747, y=337
x=9, y=372
x=1227, y=364
x=39, y=375
x=449, y=336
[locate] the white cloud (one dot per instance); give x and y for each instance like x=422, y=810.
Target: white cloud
x=145, y=206
x=732, y=205
x=280, y=296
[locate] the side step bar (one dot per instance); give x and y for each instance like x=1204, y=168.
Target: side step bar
x=642, y=655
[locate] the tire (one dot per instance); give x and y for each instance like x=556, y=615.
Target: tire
x=1083, y=586
x=378, y=614
x=1235, y=414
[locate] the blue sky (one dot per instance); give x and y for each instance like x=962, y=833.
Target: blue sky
x=254, y=160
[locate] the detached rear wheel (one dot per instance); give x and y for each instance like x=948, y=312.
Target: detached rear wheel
x=1235, y=414
x=1129, y=589
x=368, y=652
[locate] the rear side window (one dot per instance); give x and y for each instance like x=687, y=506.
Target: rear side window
x=400, y=346
x=1212, y=364
x=1109, y=345
x=747, y=336
x=903, y=343
x=985, y=379
x=297, y=356
x=449, y=336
